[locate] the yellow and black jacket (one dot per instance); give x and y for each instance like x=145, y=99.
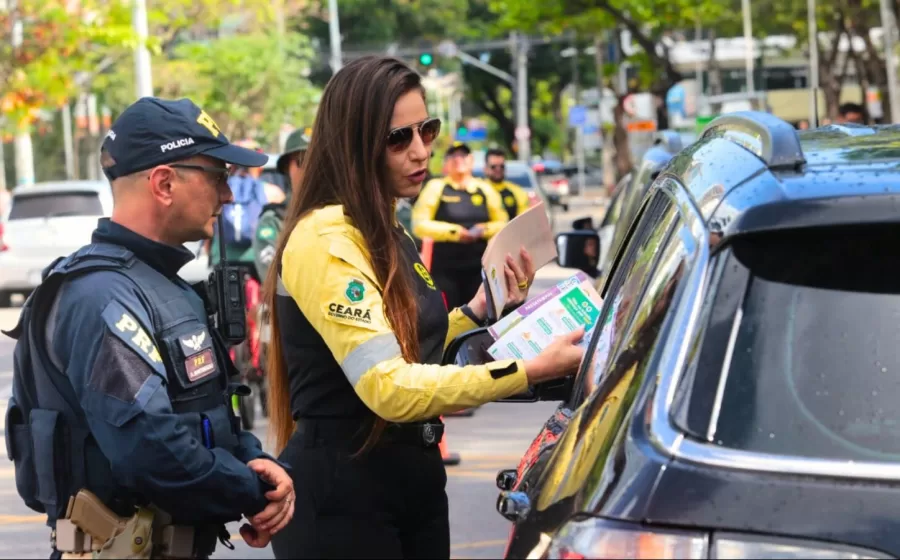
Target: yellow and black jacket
x=342, y=356
x=515, y=199
x=445, y=208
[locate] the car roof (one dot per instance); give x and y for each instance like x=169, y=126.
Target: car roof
x=62, y=186
x=750, y=172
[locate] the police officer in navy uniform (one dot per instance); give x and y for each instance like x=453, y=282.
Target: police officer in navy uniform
x=121, y=384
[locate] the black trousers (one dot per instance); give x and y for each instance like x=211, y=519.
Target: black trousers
x=388, y=503
x=458, y=284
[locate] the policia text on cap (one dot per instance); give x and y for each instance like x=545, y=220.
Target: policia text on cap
x=358, y=332
x=121, y=394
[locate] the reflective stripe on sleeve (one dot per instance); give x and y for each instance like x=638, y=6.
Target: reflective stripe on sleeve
x=369, y=354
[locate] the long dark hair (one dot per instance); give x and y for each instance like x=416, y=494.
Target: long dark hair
x=346, y=165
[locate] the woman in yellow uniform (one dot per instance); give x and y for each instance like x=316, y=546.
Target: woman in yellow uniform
x=358, y=330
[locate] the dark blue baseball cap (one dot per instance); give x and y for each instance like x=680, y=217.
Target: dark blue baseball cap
x=155, y=131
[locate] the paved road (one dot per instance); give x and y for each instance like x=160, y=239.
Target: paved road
x=493, y=439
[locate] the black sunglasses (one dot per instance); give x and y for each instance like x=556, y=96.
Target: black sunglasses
x=497, y=166
x=400, y=138
x=218, y=173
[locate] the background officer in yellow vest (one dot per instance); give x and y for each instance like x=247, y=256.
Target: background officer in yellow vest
x=514, y=198
x=460, y=213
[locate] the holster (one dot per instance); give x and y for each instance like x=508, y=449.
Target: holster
x=92, y=530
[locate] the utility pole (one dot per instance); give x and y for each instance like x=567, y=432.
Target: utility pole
x=142, y=73
x=579, y=130
x=523, y=133
x=748, y=47
x=889, y=27
x=813, y=64
x=67, y=140
x=334, y=28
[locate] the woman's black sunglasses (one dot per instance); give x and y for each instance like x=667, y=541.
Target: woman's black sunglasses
x=400, y=138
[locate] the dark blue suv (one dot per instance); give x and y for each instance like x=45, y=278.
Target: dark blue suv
x=739, y=397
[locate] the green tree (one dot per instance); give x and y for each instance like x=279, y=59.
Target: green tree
x=251, y=84
x=45, y=46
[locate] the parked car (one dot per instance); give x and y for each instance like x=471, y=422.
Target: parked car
x=49, y=220
x=738, y=395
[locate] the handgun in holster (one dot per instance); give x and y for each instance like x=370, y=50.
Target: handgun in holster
x=88, y=524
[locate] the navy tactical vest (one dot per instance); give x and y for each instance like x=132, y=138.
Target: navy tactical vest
x=47, y=433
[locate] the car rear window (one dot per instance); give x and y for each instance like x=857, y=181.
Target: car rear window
x=44, y=205
x=815, y=368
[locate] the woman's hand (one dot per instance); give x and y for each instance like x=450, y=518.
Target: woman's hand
x=518, y=281
x=561, y=358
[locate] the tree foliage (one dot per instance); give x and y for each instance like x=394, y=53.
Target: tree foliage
x=46, y=46
x=251, y=85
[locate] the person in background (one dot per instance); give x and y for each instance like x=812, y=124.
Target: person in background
x=290, y=164
x=514, y=198
x=851, y=113
x=460, y=213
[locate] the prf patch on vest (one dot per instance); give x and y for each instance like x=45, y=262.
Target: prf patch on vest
x=200, y=365
x=200, y=361
x=123, y=325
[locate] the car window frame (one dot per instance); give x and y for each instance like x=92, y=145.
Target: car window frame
x=644, y=223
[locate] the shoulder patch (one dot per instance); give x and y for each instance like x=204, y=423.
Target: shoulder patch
x=267, y=233
x=124, y=326
x=350, y=298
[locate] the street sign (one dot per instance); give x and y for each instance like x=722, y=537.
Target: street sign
x=577, y=116
x=641, y=126
x=628, y=104
x=676, y=99
x=447, y=49
x=523, y=133
x=702, y=122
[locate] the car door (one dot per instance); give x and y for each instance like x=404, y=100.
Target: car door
x=636, y=267
x=641, y=292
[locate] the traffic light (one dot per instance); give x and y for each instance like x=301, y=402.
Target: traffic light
x=425, y=59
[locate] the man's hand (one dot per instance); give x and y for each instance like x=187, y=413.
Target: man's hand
x=280, y=510
x=255, y=538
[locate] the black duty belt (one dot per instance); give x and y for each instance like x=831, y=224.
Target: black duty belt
x=315, y=432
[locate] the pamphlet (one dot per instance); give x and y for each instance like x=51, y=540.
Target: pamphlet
x=525, y=332
x=530, y=229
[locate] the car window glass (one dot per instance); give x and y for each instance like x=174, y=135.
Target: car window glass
x=814, y=368
x=626, y=286
x=601, y=419
x=614, y=210
x=45, y=205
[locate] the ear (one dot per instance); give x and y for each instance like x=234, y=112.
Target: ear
x=162, y=184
